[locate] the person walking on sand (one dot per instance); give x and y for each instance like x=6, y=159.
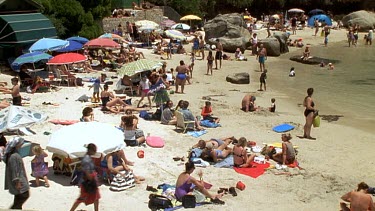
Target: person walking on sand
x=219, y=53
x=316, y=25
x=309, y=113
x=201, y=46
x=15, y=174
x=89, y=187
x=262, y=57
x=181, y=76
x=359, y=199
x=262, y=80
x=39, y=167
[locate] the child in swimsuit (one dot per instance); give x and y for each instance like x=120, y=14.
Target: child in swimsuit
x=95, y=94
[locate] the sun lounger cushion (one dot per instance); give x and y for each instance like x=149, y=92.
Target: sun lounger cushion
x=155, y=141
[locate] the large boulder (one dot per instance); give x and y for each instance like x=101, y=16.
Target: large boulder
x=365, y=20
x=230, y=29
x=239, y=78
x=272, y=45
x=313, y=60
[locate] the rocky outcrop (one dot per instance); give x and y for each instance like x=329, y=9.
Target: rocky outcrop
x=313, y=60
x=230, y=29
x=272, y=45
x=364, y=19
x=239, y=78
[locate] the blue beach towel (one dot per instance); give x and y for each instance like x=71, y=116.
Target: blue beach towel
x=196, y=134
x=226, y=163
x=207, y=123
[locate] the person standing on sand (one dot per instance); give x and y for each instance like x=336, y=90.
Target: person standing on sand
x=201, y=46
x=262, y=80
x=219, y=53
x=181, y=76
x=309, y=113
x=261, y=57
x=15, y=174
x=359, y=199
x=316, y=25
x=294, y=25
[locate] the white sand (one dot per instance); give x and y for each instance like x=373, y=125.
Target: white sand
x=340, y=158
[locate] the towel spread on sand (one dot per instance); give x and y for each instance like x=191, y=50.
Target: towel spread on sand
x=226, y=163
x=253, y=172
x=196, y=134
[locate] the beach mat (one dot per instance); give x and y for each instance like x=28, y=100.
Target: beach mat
x=253, y=172
x=196, y=134
x=283, y=128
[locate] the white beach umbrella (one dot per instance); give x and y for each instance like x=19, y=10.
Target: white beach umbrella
x=181, y=26
x=15, y=117
x=71, y=140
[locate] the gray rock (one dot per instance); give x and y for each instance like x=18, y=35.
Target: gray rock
x=313, y=61
x=230, y=29
x=364, y=19
x=239, y=78
x=272, y=45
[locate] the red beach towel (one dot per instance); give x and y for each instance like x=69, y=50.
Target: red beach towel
x=253, y=172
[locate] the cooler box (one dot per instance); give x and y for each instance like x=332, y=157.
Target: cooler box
x=25, y=150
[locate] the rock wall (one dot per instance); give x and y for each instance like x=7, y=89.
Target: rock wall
x=155, y=15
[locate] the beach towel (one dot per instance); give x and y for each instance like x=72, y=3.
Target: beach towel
x=226, y=163
x=207, y=123
x=253, y=172
x=283, y=128
x=196, y=134
x=63, y=122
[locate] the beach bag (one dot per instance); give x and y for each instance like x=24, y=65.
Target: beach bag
x=316, y=121
x=157, y=202
x=188, y=201
x=120, y=183
x=145, y=115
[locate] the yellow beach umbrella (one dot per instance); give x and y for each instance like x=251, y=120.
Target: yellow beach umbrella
x=246, y=17
x=190, y=17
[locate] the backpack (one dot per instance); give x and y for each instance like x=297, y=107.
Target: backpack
x=188, y=201
x=159, y=202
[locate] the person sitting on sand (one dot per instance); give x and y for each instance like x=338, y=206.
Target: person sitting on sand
x=135, y=119
x=238, y=55
x=167, y=116
x=241, y=159
x=110, y=102
x=292, y=73
x=331, y=66
x=248, y=103
x=185, y=182
x=273, y=105
x=133, y=137
x=288, y=154
x=359, y=199
x=188, y=116
x=217, y=154
x=87, y=115
x=136, y=54
x=116, y=162
x=207, y=113
x=306, y=53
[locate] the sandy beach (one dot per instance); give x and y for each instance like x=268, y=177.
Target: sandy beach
x=334, y=164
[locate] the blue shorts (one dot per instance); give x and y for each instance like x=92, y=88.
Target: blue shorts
x=181, y=76
x=262, y=59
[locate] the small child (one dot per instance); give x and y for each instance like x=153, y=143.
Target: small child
x=331, y=66
x=210, y=62
x=15, y=92
x=143, y=88
x=207, y=113
x=292, y=73
x=273, y=105
x=192, y=59
x=39, y=167
x=95, y=94
x=262, y=80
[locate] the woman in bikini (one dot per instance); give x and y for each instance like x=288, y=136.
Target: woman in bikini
x=216, y=142
x=309, y=113
x=288, y=155
x=185, y=185
x=217, y=154
x=181, y=76
x=241, y=158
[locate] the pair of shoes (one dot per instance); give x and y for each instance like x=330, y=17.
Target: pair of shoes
x=217, y=201
x=232, y=191
x=223, y=190
x=179, y=158
x=150, y=188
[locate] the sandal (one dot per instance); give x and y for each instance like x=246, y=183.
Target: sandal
x=217, y=201
x=232, y=191
x=150, y=188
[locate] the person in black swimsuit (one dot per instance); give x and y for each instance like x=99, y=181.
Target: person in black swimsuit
x=309, y=113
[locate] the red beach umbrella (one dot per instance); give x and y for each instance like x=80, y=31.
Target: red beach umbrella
x=102, y=43
x=67, y=58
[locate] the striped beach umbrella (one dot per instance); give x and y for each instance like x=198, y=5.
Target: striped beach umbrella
x=181, y=26
x=174, y=34
x=139, y=66
x=167, y=23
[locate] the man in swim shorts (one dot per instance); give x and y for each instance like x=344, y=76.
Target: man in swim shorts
x=248, y=103
x=219, y=53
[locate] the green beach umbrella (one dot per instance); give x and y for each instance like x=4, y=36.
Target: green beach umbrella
x=138, y=66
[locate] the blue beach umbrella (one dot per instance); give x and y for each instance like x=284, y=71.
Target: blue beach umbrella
x=73, y=46
x=321, y=18
x=79, y=39
x=48, y=44
x=29, y=58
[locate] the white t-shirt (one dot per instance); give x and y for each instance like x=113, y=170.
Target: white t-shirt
x=292, y=73
x=370, y=34
x=169, y=76
x=145, y=84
